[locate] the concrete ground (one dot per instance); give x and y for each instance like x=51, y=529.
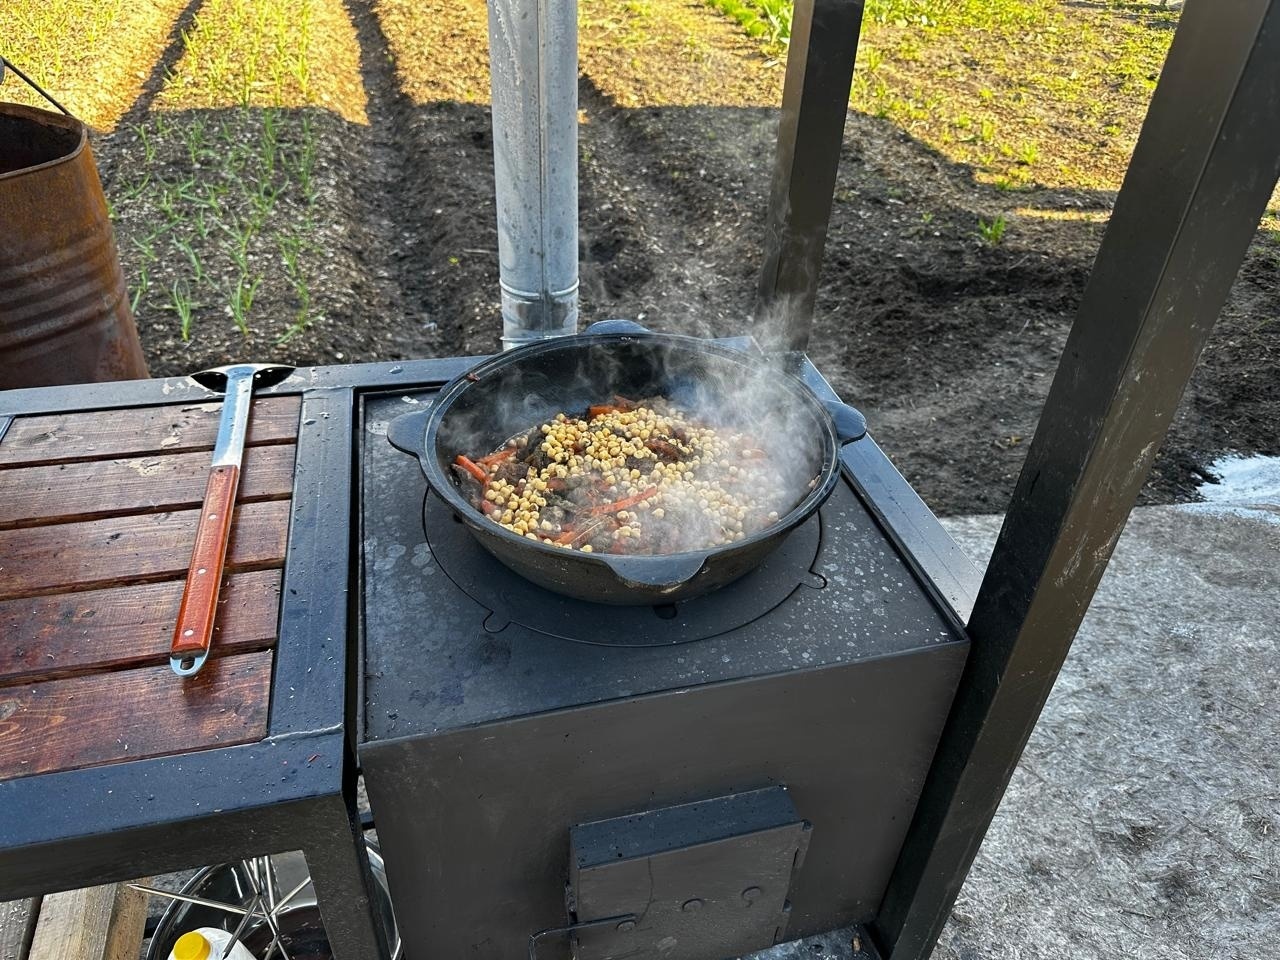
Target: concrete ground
x=1143, y=820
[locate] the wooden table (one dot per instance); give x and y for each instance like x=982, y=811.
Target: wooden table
x=112, y=767
x=96, y=528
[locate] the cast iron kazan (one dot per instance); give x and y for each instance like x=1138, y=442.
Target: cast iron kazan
x=512, y=392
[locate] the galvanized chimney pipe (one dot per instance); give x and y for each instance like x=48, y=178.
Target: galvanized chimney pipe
x=533, y=79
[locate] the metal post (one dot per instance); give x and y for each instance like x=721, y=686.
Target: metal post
x=815, y=100
x=339, y=865
x=1204, y=167
x=533, y=83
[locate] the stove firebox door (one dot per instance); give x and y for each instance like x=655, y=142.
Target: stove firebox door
x=703, y=880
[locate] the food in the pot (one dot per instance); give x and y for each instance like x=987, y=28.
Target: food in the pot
x=629, y=477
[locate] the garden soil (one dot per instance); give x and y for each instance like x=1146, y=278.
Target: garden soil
x=947, y=341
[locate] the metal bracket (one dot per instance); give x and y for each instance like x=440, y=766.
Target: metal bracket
x=630, y=918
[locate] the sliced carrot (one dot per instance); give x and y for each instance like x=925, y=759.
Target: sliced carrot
x=626, y=502
x=506, y=453
x=600, y=410
x=471, y=468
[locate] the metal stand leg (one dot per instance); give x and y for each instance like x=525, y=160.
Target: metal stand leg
x=1205, y=165
x=339, y=866
x=815, y=101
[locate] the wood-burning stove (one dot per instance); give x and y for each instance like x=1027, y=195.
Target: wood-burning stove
x=693, y=780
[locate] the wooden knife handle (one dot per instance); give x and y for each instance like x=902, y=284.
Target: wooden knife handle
x=199, y=607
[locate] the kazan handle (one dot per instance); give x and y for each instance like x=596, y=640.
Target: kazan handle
x=194, y=629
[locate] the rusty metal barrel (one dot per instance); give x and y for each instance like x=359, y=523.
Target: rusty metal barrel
x=64, y=312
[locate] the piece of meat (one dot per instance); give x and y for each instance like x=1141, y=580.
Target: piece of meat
x=471, y=488
x=512, y=471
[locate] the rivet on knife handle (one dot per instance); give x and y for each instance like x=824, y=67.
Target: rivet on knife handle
x=194, y=630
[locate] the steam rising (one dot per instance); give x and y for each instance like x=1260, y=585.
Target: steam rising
x=749, y=399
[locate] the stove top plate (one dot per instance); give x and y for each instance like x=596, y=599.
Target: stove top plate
x=511, y=599
x=437, y=657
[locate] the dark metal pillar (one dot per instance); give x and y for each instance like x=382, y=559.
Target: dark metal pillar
x=339, y=865
x=815, y=100
x=1204, y=167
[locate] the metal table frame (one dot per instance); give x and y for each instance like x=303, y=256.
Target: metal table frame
x=294, y=790
x=1203, y=170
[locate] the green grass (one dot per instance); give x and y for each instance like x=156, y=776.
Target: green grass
x=91, y=55
x=34, y=34
x=767, y=20
x=1024, y=91
x=246, y=52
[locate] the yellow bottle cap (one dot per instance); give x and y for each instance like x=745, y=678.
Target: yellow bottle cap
x=191, y=946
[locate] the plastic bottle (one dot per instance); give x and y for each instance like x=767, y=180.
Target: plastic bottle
x=207, y=943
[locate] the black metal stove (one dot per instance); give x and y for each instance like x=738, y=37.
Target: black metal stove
x=708, y=777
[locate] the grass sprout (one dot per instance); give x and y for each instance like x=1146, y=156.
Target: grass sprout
x=242, y=300
x=181, y=300
x=992, y=231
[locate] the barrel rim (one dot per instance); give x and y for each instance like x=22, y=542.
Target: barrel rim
x=47, y=118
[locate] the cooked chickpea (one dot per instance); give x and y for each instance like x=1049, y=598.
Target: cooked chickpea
x=611, y=456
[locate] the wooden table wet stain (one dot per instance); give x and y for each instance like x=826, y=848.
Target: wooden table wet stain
x=97, y=516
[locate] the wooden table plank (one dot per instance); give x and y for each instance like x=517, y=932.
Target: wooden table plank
x=96, y=923
x=17, y=926
x=56, y=636
x=129, y=714
x=107, y=434
x=72, y=557
x=59, y=493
